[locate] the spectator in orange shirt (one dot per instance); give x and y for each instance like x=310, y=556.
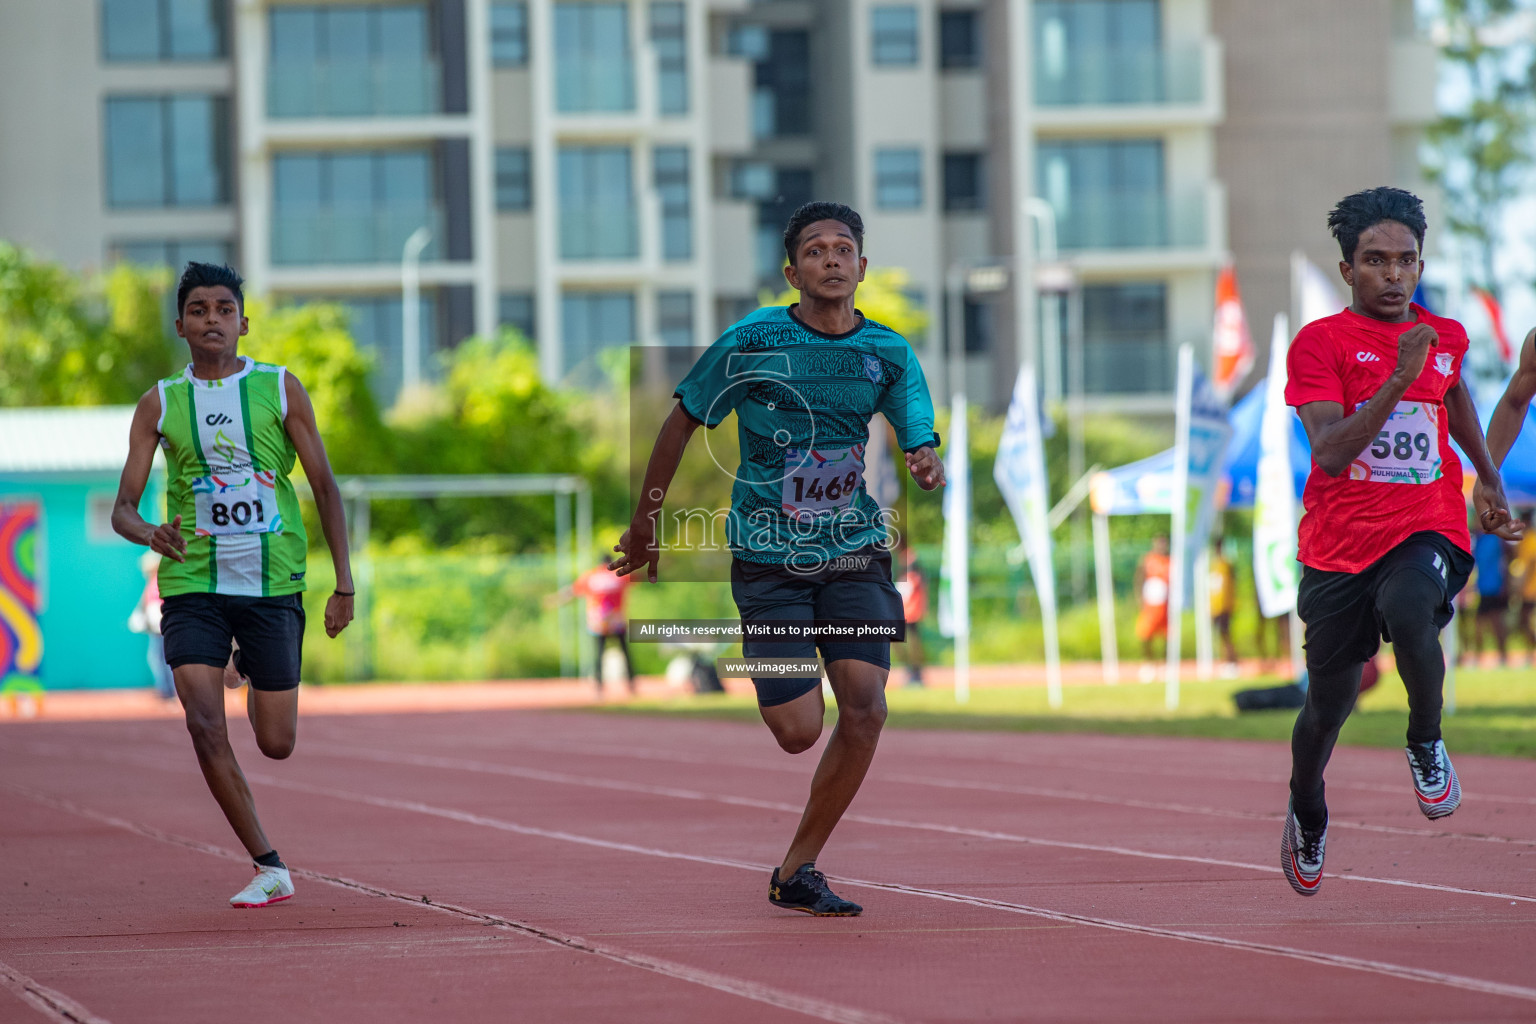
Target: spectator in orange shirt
x=1152, y=585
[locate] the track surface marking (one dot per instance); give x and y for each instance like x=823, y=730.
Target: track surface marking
x=595, y=868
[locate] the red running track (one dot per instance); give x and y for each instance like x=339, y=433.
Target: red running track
x=539, y=866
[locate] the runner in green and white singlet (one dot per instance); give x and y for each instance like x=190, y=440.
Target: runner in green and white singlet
x=228, y=459
x=234, y=549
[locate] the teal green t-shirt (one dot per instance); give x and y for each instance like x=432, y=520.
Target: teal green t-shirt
x=803, y=402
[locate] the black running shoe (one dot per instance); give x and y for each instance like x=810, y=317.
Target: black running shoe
x=806, y=890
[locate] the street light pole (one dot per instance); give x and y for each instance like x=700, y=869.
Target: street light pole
x=410, y=308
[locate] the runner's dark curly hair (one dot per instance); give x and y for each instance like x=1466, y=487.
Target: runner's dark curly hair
x=1364, y=210
x=208, y=275
x=810, y=213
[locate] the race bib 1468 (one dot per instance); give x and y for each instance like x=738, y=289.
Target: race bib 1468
x=236, y=503
x=821, y=481
x=1407, y=449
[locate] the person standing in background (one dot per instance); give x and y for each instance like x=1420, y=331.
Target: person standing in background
x=914, y=605
x=146, y=619
x=1492, y=595
x=1152, y=585
x=1222, y=584
x=1522, y=573
x=605, y=595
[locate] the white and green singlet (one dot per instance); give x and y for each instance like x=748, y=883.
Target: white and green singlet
x=228, y=457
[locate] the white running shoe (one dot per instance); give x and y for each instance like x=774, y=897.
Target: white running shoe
x=271, y=885
x=1301, y=854
x=1434, y=780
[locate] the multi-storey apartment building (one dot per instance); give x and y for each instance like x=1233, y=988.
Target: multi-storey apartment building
x=608, y=172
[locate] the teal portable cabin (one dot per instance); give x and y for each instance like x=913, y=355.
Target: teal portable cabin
x=67, y=582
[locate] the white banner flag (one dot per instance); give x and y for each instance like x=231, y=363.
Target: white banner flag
x=1020, y=475
x=1274, y=504
x=954, y=577
x=1316, y=296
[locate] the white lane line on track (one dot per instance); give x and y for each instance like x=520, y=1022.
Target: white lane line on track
x=778, y=998
x=562, y=778
x=646, y=754
x=56, y=1006
x=1399, y=971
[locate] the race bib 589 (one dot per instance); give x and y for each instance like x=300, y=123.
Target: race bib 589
x=1406, y=450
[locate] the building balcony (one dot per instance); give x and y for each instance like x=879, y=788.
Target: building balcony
x=353, y=89
x=338, y=235
x=1129, y=231
x=1090, y=90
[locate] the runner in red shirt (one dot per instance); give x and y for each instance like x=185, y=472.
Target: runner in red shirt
x=605, y=593
x=1383, y=541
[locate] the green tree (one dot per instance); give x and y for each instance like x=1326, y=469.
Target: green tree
x=314, y=343
x=1480, y=152
x=65, y=340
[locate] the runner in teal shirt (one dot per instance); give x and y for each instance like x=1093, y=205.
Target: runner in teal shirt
x=803, y=401
x=810, y=546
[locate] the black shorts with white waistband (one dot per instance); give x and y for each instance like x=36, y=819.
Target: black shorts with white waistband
x=852, y=588
x=198, y=629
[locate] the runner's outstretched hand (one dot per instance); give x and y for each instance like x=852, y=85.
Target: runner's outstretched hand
x=1413, y=349
x=167, y=540
x=926, y=468
x=1493, y=511
x=637, y=549
x=338, y=612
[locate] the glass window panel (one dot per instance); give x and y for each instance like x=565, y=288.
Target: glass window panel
x=144, y=252
x=402, y=33
x=513, y=178
x=130, y=29
x=669, y=37
x=509, y=34
x=352, y=180
x=405, y=178
x=347, y=33
x=516, y=310
x=194, y=31
x=960, y=39
x=672, y=185
x=1125, y=338
x=136, y=148
x=674, y=318
x=593, y=70
x=895, y=34
x=197, y=150
x=594, y=321
x=296, y=180
x=964, y=181
x=899, y=178
x=294, y=34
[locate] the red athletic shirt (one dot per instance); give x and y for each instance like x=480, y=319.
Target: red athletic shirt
x=1409, y=478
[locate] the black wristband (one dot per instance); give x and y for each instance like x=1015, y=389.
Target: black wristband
x=344, y=593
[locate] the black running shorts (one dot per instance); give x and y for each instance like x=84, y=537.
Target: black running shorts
x=853, y=588
x=1344, y=627
x=270, y=631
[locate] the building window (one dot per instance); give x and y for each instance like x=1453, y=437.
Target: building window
x=352, y=206
x=352, y=61
x=594, y=71
x=1125, y=338
x=898, y=179
x=781, y=96
x=1098, y=51
x=509, y=35
x=674, y=318
x=167, y=151
x=790, y=190
x=894, y=35
x=516, y=310
x=959, y=39
x=514, y=182
x=1107, y=194
x=597, y=204
x=965, y=182
x=593, y=321
x=169, y=252
x=980, y=325
x=669, y=35
x=155, y=30
x=671, y=166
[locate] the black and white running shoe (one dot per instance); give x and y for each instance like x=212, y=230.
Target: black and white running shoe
x=1301, y=854
x=1434, y=780
x=806, y=891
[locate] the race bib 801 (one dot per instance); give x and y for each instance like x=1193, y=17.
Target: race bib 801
x=821, y=481
x=1406, y=450
x=236, y=503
